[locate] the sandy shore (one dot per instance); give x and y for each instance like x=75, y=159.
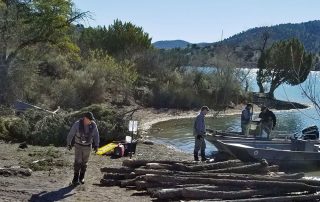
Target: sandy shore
x=53, y=184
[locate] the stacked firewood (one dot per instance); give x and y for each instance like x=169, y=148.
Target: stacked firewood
x=230, y=180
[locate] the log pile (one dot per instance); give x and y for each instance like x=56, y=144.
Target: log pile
x=230, y=180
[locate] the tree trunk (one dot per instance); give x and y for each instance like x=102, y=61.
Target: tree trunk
x=3, y=78
x=256, y=168
x=307, y=197
x=194, y=193
x=260, y=81
x=213, y=166
x=293, y=186
x=271, y=91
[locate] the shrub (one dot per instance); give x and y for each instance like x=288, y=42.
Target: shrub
x=40, y=128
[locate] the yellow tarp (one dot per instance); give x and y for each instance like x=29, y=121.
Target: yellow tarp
x=106, y=148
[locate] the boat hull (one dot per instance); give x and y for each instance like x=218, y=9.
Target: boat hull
x=252, y=142
x=287, y=160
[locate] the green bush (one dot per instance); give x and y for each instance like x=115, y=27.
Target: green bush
x=19, y=129
x=40, y=128
x=4, y=133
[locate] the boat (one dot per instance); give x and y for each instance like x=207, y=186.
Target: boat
x=256, y=141
x=303, y=155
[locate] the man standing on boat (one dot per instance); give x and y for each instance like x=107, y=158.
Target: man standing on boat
x=268, y=121
x=199, y=130
x=246, y=117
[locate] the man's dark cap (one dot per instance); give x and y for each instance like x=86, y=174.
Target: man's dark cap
x=89, y=115
x=205, y=108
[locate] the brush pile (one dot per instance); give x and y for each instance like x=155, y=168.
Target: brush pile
x=229, y=180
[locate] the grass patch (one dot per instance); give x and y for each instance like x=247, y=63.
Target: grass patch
x=45, y=160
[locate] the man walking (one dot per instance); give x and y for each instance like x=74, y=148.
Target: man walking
x=84, y=133
x=199, y=130
x=246, y=117
x=268, y=121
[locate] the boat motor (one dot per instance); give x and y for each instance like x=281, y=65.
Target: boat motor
x=310, y=133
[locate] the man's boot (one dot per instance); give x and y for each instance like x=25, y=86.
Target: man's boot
x=195, y=154
x=81, y=177
x=203, y=156
x=75, y=180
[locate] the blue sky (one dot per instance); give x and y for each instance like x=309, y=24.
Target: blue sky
x=199, y=20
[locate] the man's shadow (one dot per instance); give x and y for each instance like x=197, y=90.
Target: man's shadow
x=53, y=195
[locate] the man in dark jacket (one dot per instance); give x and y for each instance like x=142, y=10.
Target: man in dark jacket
x=85, y=135
x=268, y=121
x=199, y=130
x=246, y=117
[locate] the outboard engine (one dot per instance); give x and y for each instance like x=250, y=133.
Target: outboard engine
x=310, y=133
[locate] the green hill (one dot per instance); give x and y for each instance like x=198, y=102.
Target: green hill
x=308, y=33
x=168, y=44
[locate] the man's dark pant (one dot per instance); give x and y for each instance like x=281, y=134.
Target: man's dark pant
x=200, y=144
x=82, y=153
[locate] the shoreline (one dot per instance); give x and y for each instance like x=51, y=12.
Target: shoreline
x=148, y=117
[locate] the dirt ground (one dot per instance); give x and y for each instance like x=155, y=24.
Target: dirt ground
x=53, y=173
x=52, y=183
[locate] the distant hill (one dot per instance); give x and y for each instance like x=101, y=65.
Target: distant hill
x=308, y=33
x=168, y=44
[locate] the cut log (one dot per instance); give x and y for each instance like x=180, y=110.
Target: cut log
x=117, y=176
x=247, y=169
x=110, y=182
x=292, y=176
x=130, y=182
x=143, y=185
x=306, y=197
x=158, y=166
x=137, y=163
x=15, y=172
x=193, y=193
x=142, y=171
x=293, y=186
x=116, y=170
x=213, y=166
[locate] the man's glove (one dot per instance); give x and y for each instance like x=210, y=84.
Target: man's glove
x=95, y=149
x=69, y=147
x=199, y=137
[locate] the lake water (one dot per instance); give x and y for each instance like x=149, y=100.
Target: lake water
x=178, y=133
